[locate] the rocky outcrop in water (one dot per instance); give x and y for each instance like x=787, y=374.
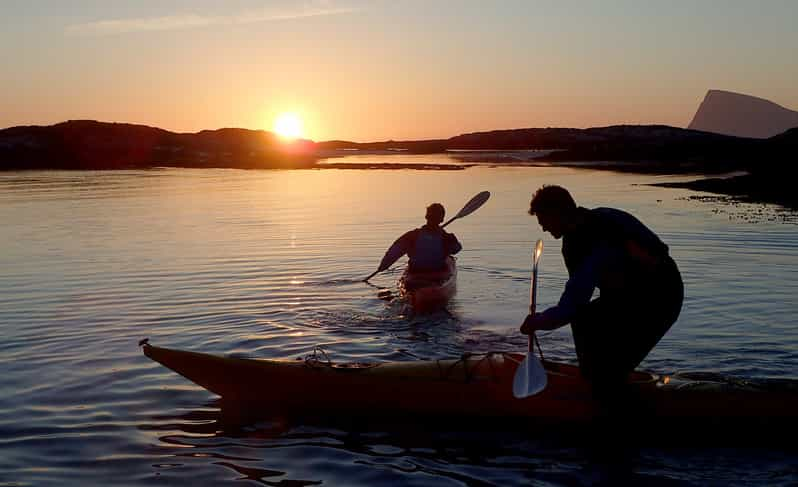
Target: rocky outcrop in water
x=770, y=179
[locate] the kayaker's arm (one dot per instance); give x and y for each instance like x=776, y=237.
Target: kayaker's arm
x=399, y=248
x=453, y=245
x=578, y=291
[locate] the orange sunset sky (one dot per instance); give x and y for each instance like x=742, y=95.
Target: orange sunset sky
x=373, y=70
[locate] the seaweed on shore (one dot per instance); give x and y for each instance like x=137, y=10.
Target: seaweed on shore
x=747, y=188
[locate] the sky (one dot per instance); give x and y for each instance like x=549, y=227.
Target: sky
x=367, y=70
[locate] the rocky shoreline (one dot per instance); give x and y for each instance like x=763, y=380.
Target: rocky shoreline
x=749, y=188
x=648, y=149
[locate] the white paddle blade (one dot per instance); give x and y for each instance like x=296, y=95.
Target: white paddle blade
x=474, y=204
x=538, y=252
x=530, y=377
x=470, y=207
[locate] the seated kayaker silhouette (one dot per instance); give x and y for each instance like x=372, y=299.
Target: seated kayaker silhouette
x=424, y=254
x=427, y=246
x=430, y=278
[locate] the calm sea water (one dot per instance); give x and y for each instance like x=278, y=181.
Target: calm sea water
x=268, y=263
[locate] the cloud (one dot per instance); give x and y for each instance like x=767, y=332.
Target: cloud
x=190, y=21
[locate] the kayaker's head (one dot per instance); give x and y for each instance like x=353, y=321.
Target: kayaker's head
x=555, y=208
x=435, y=214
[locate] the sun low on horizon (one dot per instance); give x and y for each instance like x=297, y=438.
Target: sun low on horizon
x=288, y=125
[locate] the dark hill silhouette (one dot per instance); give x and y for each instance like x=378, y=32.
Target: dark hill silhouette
x=788, y=139
x=654, y=146
x=726, y=112
x=644, y=148
x=648, y=147
x=88, y=144
x=778, y=157
x=770, y=179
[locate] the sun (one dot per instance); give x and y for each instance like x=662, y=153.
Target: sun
x=288, y=126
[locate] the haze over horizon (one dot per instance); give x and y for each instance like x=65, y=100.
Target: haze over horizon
x=376, y=70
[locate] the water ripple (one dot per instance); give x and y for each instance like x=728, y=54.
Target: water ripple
x=269, y=264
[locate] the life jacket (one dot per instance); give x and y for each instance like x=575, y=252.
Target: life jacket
x=428, y=251
x=640, y=251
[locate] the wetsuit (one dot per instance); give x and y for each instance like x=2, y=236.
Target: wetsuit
x=641, y=293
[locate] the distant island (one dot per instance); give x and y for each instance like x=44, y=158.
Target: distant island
x=729, y=113
x=768, y=163
x=642, y=148
x=88, y=144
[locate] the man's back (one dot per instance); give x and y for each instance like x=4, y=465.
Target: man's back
x=615, y=234
x=427, y=251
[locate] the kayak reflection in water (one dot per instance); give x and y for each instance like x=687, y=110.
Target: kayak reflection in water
x=428, y=246
x=641, y=290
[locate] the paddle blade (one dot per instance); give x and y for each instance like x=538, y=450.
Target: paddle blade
x=538, y=252
x=474, y=204
x=530, y=377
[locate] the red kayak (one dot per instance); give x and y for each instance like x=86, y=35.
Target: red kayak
x=476, y=386
x=429, y=291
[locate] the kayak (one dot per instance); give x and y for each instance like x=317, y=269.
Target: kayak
x=478, y=385
x=426, y=292
x=474, y=386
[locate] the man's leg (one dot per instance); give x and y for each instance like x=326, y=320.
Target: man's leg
x=655, y=313
x=613, y=334
x=599, y=344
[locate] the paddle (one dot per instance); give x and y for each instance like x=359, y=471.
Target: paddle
x=470, y=207
x=530, y=376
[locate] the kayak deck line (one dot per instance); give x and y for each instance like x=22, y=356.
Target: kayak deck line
x=314, y=361
x=552, y=368
x=445, y=366
x=484, y=379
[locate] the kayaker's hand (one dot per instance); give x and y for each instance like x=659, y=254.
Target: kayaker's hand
x=529, y=324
